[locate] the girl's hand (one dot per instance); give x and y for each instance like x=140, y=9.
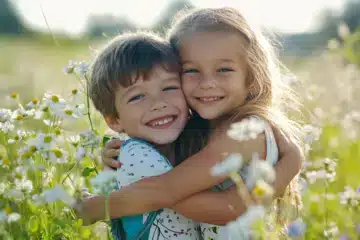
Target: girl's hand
x=110, y=152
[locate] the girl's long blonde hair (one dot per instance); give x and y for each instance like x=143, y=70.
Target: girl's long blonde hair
x=269, y=97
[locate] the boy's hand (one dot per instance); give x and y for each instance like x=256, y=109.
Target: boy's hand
x=87, y=209
x=109, y=152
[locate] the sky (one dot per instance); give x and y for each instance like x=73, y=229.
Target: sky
x=70, y=16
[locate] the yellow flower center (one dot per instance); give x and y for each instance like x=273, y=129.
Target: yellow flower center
x=57, y=153
x=68, y=112
x=55, y=98
x=19, y=117
x=74, y=91
x=6, y=162
x=47, y=139
x=35, y=101
x=8, y=210
x=14, y=95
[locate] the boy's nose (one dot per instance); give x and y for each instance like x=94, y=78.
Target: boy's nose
x=158, y=105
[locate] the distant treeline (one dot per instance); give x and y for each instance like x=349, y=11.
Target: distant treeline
x=107, y=25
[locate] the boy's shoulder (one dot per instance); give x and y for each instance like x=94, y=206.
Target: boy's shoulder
x=137, y=144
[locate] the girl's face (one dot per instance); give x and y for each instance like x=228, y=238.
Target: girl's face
x=214, y=73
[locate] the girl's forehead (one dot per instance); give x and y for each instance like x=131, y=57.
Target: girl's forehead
x=212, y=45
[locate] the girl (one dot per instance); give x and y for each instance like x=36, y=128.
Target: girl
x=229, y=73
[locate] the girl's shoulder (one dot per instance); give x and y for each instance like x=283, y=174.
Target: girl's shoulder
x=247, y=136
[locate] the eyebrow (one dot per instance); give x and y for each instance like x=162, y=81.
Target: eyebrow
x=218, y=60
x=134, y=86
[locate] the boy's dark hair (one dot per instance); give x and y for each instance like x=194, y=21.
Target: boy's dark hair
x=123, y=60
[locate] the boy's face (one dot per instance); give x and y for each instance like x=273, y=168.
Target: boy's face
x=153, y=109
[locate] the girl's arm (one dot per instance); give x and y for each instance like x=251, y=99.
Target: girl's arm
x=190, y=177
x=193, y=176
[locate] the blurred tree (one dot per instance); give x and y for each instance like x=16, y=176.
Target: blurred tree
x=168, y=14
x=330, y=20
x=10, y=22
x=108, y=25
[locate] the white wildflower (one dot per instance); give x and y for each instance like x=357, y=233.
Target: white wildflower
x=70, y=67
x=331, y=231
x=80, y=153
x=257, y=170
x=81, y=69
x=105, y=182
x=262, y=190
x=5, y=114
x=35, y=103
x=13, y=217
x=231, y=163
x=6, y=127
x=241, y=227
x=16, y=194
x=53, y=102
x=247, y=129
x=58, y=155
x=23, y=184
x=57, y=193
x=311, y=133
x=42, y=141
x=3, y=187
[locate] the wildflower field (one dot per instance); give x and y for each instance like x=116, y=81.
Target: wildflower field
x=51, y=136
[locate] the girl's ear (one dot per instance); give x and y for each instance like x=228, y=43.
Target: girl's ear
x=114, y=124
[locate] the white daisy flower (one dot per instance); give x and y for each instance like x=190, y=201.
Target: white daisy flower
x=259, y=170
x=57, y=193
x=241, y=227
x=231, y=163
x=105, y=182
x=81, y=69
x=13, y=217
x=5, y=114
x=247, y=129
x=58, y=155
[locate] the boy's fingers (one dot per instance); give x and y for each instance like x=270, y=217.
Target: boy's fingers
x=114, y=143
x=111, y=163
x=110, y=153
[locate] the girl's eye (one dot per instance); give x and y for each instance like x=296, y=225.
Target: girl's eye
x=171, y=88
x=136, y=97
x=225, y=70
x=190, y=70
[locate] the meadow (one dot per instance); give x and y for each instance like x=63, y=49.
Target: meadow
x=49, y=148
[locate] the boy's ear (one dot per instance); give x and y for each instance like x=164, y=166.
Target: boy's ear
x=114, y=124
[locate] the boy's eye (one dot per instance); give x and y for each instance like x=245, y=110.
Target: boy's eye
x=136, y=97
x=171, y=88
x=225, y=70
x=190, y=70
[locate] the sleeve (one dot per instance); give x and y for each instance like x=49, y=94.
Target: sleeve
x=140, y=160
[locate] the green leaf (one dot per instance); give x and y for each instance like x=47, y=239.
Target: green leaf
x=87, y=171
x=33, y=224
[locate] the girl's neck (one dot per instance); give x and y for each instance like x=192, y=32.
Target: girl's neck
x=168, y=151
x=219, y=123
